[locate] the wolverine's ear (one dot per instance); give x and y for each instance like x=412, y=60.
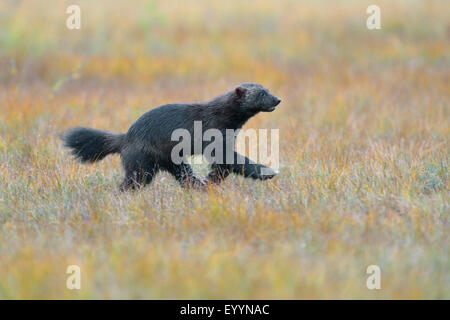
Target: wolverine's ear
x=239, y=91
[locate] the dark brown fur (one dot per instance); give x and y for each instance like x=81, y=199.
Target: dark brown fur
x=146, y=147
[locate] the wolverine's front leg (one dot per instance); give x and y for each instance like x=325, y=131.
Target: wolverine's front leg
x=241, y=165
x=250, y=169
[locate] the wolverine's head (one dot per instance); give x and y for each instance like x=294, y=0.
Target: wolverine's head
x=254, y=97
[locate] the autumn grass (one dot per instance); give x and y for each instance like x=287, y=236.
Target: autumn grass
x=364, y=133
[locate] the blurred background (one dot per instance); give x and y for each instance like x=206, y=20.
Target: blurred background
x=364, y=128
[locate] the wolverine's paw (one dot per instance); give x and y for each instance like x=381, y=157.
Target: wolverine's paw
x=263, y=173
x=197, y=184
x=267, y=173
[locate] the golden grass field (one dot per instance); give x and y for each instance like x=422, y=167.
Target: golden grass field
x=364, y=150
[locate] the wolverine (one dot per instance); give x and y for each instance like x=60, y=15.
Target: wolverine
x=146, y=148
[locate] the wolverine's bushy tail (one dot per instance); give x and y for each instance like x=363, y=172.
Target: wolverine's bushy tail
x=90, y=145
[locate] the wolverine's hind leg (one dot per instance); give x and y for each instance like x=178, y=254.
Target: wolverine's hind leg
x=140, y=168
x=185, y=175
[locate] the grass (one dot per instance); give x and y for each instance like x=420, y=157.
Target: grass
x=364, y=133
